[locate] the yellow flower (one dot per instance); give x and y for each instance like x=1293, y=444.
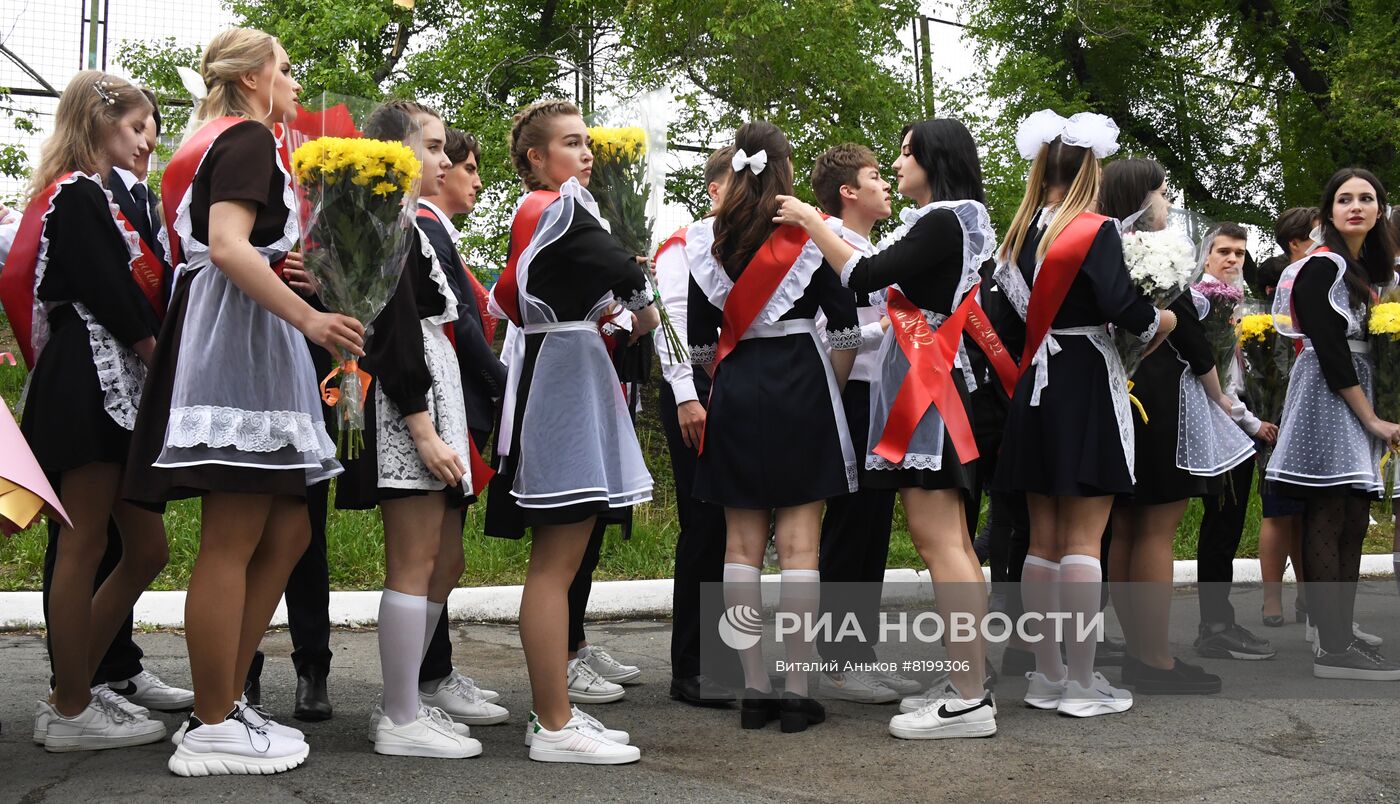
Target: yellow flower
x=360, y=161
x=384, y=188
x=618, y=144
x=1385, y=319
x=1258, y=326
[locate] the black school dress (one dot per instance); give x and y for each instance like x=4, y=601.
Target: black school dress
x=775, y=433
x=566, y=449
x=414, y=370
x=86, y=383
x=232, y=404
x=933, y=257
x=1074, y=438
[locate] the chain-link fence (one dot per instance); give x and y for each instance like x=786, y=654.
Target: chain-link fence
x=43, y=43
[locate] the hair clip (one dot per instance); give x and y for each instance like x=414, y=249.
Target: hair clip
x=108, y=96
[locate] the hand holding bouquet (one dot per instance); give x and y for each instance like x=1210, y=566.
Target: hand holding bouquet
x=358, y=201
x=1162, y=265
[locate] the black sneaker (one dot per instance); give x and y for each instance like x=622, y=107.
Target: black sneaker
x=1182, y=679
x=1232, y=642
x=1016, y=662
x=1359, y=662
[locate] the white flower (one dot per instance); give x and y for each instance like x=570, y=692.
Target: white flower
x=1160, y=264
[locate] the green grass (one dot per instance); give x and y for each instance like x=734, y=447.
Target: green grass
x=355, y=539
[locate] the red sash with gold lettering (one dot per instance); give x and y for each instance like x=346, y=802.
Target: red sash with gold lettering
x=146, y=269
x=179, y=175
x=506, y=291
x=1057, y=272
x=929, y=380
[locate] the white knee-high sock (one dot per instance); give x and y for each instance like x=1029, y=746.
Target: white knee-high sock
x=800, y=595
x=1040, y=594
x=435, y=613
x=741, y=587
x=400, y=652
x=1081, y=584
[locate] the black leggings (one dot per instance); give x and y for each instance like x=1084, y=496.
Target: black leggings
x=582, y=586
x=1333, y=530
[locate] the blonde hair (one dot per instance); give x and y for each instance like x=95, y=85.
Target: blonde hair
x=530, y=129
x=92, y=104
x=1057, y=165
x=229, y=56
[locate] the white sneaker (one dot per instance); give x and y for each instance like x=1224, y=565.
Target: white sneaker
x=898, y=683
x=855, y=686
x=588, y=722
x=259, y=718
x=608, y=667
x=1310, y=634
x=99, y=726
x=578, y=742
x=1100, y=698
x=460, y=698
x=44, y=714
x=431, y=734
x=235, y=747
x=148, y=690
x=946, y=718
x=377, y=712
x=109, y=695
x=1042, y=693
x=586, y=686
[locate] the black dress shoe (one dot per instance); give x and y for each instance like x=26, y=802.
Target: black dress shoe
x=757, y=708
x=1110, y=653
x=313, y=705
x=796, y=714
x=700, y=691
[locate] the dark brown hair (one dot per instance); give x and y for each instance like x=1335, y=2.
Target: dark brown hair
x=1126, y=185
x=838, y=167
x=717, y=166
x=459, y=145
x=744, y=219
x=1295, y=224
x=1375, y=265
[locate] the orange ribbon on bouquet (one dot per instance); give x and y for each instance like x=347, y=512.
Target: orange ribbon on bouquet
x=331, y=396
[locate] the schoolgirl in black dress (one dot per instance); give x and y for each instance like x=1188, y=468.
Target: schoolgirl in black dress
x=73, y=277
x=928, y=266
x=1069, y=442
x=775, y=443
x=1331, y=440
x=415, y=461
x=1185, y=444
x=567, y=453
x=232, y=413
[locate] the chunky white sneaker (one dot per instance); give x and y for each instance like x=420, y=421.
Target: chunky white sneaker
x=1042, y=693
x=44, y=714
x=855, y=686
x=578, y=742
x=99, y=726
x=148, y=690
x=1100, y=698
x=460, y=698
x=587, y=722
x=586, y=686
x=107, y=694
x=898, y=683
x=948, y=718
x=377, y=712
x=234, y=747
x=431, y=734
x=609, y=668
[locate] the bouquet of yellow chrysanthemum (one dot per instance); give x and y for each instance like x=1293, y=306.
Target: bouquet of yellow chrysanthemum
x=358, y=198
x=1384, y=326
x=1268, y=359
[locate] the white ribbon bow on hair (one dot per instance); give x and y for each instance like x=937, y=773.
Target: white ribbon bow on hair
x=1037, y=130
x=1097, y=132
x=755, y=163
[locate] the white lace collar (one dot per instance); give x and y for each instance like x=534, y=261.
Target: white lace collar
x=716, y=284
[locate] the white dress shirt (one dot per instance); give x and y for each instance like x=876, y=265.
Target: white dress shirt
x=673, y=281
x=871, y=333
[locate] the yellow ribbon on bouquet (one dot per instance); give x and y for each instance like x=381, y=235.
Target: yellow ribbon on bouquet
x=1136, y=403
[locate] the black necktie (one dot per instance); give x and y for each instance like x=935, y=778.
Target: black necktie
x=143, y=203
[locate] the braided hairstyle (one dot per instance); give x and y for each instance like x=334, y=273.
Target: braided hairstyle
x=530, y=128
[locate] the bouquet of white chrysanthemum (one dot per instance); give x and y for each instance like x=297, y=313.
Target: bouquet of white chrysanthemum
x=1162, y=265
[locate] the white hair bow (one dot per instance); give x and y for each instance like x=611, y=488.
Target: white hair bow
x=1096, y=132
x=193, y=83
x=755, y=163
x=1042, y=127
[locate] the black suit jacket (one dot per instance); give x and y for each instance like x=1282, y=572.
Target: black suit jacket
x=483, y=374
x=146, y=223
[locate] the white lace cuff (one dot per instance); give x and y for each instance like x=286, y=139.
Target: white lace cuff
x=638, y=300
x=845, y=338
x=703, y=355
x=849, y=267
x=1151, y=332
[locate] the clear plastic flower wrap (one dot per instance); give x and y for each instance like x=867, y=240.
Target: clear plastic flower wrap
x=1222, y=313
x=1162, y=263
x=1268, y=359
x=358, y=200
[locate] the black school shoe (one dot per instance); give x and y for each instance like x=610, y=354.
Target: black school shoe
x=1181, y=679
x=313, y=703
x=757, y=709
x=1231, y=642
x=700, y=691
x=796, y=714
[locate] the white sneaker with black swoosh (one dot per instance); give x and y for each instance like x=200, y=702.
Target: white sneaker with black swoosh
x=946, y=718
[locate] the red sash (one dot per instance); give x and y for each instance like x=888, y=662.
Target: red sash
x=179, y=175
x=488, y=322
x=481, y=471
x=985, y=336
x=506, y=291
x=677, y=237
x=1057, y=272
x=146, y=269
x=930, y=378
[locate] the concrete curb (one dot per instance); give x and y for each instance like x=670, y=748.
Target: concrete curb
x=611, y=600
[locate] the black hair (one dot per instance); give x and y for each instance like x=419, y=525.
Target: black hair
x=1375, y=265
x=944, y=148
